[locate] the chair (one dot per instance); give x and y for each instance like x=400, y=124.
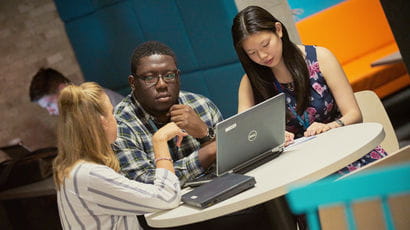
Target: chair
x=373, y=111
x=398, y=157
x=332, y=218
x=376, y=184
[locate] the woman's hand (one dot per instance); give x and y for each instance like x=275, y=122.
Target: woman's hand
x=289, y=138
x=316, y=128
x=168, y=132
x=163, y=157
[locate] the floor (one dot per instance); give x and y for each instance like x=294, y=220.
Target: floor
x=398, y=108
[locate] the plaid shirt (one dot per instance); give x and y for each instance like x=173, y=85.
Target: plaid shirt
x=136, y=127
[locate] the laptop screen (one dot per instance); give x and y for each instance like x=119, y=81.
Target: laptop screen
x=249, y=134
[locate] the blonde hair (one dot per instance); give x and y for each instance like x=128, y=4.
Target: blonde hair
x=80, y=132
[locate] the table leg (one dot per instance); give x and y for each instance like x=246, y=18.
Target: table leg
x=280, y=215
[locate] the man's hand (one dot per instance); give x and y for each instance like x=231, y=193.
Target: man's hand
x=187, y=119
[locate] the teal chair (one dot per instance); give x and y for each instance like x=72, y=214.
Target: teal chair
x=375, y=184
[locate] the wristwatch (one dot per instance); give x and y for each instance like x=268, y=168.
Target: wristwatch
x=340, y=122
x=210, y=135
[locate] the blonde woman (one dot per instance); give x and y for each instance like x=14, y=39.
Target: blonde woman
x=91, y=193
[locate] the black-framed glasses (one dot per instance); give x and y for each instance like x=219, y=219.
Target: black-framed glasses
x=151, y=80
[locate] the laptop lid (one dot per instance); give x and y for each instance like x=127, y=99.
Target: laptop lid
x=217, y=190
x=13, y=152
x=250, y=134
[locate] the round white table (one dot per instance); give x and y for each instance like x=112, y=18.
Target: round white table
x=308, y=161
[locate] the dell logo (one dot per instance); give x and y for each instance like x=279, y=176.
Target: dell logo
x=252, y=135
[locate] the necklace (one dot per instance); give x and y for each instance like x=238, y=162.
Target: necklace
x=290, y=86
x=303, y=121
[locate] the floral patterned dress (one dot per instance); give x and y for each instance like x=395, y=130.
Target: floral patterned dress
x=322, y=109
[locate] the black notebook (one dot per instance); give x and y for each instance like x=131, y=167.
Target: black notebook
x=218, y=189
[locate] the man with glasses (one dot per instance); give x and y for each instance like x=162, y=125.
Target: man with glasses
x=156, y=100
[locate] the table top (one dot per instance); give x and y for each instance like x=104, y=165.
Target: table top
x=389, y=59
x=307, y=161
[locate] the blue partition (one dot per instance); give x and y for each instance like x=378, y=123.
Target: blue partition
x=305, y=8
x=104, y=33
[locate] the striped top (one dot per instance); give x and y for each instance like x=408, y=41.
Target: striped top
x=96, y=197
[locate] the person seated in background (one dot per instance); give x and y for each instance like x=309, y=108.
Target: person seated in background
x=155, y=101
x=46, y=85
x=91, y=193
x=318, y=94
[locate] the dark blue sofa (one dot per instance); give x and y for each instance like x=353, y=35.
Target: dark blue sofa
x=103, y=34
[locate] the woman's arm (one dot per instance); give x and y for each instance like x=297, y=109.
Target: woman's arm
x=115, y=194
x=340, y=88
x=245, y=95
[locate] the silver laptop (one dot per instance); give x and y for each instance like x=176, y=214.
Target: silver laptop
x=246, y=140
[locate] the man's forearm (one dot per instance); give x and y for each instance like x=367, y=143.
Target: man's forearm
x=207, y=154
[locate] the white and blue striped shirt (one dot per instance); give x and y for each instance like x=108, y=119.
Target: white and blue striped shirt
x=96, y=197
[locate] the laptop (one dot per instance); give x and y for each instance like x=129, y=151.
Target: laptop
x=218, y=189
x=248, y=139
x=244, y=142
x=9, y=155
x=13, y=152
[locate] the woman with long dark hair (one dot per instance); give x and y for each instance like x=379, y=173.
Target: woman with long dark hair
x=318, y=94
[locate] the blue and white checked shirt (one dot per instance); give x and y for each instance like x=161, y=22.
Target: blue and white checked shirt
x=134, y=147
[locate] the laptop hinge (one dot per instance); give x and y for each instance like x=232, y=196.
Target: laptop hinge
x=279, y=148
x=258, y=160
